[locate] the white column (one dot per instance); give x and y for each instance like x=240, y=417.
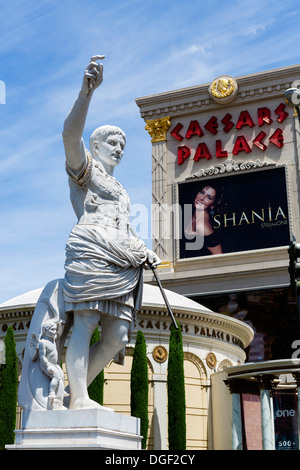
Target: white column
x=157, y=129
x=236, y=414
x=236, y=425
x=159, y=200
x=160, y=412
x=267, y=415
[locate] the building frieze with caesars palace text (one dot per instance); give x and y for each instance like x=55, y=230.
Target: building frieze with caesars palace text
x=207, y=332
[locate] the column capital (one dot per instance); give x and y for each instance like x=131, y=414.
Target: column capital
x=267, y=381
x=235, y=385
x=157, y=128
x=296, y=376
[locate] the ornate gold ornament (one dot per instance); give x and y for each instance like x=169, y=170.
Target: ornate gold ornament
x=223, y=89
x=160, y=354
x=211, y=360
x=157, y=128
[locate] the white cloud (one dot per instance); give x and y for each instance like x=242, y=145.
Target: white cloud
x=254, y=29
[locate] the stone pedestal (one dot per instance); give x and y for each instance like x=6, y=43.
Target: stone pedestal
x=77, y=430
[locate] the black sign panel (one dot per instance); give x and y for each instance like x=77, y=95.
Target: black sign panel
x=233, y=213
x=285, y=420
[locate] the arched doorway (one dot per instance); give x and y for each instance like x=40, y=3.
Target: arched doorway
x=196, y=396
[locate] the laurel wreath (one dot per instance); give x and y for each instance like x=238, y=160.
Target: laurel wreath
x=218, y=94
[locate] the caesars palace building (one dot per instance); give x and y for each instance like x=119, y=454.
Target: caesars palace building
x=225, y=166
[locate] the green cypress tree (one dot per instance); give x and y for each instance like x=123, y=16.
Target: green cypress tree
x=95, y=389
x=8, y=391
x=176, y=392
x=139, y=385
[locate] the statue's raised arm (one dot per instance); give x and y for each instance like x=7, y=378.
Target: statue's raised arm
x=74, y=124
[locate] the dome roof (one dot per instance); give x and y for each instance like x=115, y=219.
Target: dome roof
x=152, y=298
x=29, y=299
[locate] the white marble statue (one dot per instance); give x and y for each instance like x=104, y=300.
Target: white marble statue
x=104, y=262
x=44, y=348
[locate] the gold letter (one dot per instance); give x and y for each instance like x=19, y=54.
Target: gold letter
x=280, y=212
x=231, y=218
x=217, y=222
x=262, y=217
x=243, y=217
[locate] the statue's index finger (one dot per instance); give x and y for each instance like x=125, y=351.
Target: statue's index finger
x=94, y=58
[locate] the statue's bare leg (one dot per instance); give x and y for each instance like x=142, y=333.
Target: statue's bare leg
x=114, y=337
x=77, y=357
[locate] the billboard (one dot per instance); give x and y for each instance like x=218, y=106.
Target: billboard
x=285, y=419
x=244, y=211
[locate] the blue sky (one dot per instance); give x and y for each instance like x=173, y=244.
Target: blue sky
x=150, y=47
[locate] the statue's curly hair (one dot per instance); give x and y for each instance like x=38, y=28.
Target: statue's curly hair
x=103, y=131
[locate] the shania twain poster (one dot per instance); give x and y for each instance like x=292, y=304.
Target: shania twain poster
x=227, y=214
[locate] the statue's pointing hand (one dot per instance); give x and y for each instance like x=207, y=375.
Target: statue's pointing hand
x=93, y=75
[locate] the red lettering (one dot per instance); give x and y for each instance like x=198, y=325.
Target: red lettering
x=241, y=145
x=202, y=152
x=264, y=116
x=277, y=138
x=227, y=123
x=244, y=120
x=175, y=132
x=182, y=154
x=282, y=115
x=258, y=141
x=219, y=152
x=194, y=129
x=212, y=125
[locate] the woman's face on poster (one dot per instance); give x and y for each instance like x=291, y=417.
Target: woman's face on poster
x=205, y=199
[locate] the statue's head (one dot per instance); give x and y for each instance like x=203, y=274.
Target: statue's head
x=107, y=144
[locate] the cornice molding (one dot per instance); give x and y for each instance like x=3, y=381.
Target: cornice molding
x=12, y=314
x=230, y=166
x=208, y=320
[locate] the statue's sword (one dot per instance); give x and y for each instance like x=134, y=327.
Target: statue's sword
x=164, y=296
x=160, y=288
